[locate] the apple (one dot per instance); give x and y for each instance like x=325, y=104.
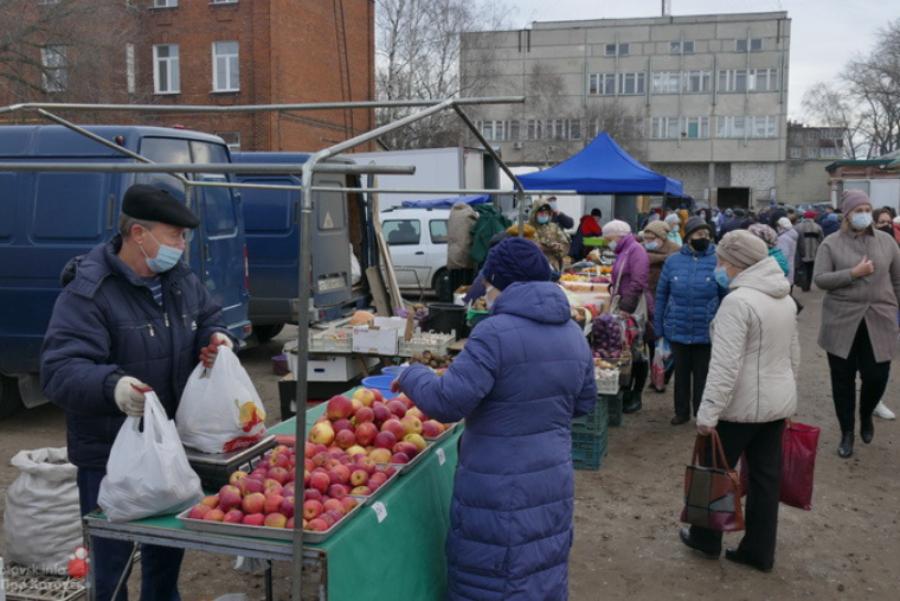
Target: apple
x=312, y=509
x=339, y=474
x=379, y=398
x=382, y=413
x=309, y=449
x=317, y=525
x=361, y=491
x=339, y=407
x=417, y=440
x=395, y=427
x=416, y=412
x=251, y=485
x=407, y=448
x=322, y=433
x=335, y=514
x=280, y=460
x=345, y=439
x=366, y=463
x=319, y=480
x=229, y=497
x=359, y=477
x=212, y=501
x=280, y=475
x=400, y=458
x=411, y=425
x=272, y=504
x=342, y=424
x=349, y=503
x=381, y=455
x=405, y=400
x=198, y=511
x=377, y=479
x=385, y=440
x=237, y=477
x=363, y=415
x=334, y=505
x=356, y=449
x=308, y=464
x=328, y=519
x=235, y=516
x=253, y=503
x=260, y=473
x=287, y=507
x=312, y=494
x=364, y=396
x=288, y=490
x=357, y=404
x=275, y=520
x=272, y=486
x=290, y=523
x=398, y=408
x=214, y=515
x=254, y=519
x=365, y=434
x=432, y=428
x=337, y=491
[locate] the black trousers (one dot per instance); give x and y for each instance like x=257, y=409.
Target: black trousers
x=639, y=373
x=761, y=444
x=691, y=367
x=874, y=378
x=805, y=274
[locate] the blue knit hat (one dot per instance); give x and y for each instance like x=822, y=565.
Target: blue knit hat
x=515, y=260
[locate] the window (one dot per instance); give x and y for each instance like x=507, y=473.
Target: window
x=795, y=152
x=603, y=84
x=533, y=129
x=165, y=3
x=666, y=82
x=828, y=152
x=574, y=129
x=696, y=127
x=164, y=150
x=400, y=232
x=232, y=139
x=166, y=78
x=226, y=67
x=631, y=84
x=610, y=50
x=697, y=81
x=55, y=75
x=740, y=45
x=512, y=130
x=733, y=80
x=623, y=49
x=758, y=126
x=616, y=49
x=682, y=47
x=224, y=1
x=219, y=216
x=665, y=128
x=438, y=230
x=756, y=45
x=762, y=80
x=130, y=84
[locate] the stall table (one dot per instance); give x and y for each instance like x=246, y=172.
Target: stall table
x=392, y=549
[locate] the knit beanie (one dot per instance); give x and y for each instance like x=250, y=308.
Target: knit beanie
x=852, y=199
x=515, y=260
x=742, y=249
x=673, y=219
x=810, y=215
x=695, y=223
x=658, y=228
x=764, y=233
x=785, y=224
x=616, y=227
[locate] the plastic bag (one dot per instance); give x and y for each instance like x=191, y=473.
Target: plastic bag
x=662, y=361
x=220, y=410
x=798, y=464
x=148, y=472
x=42, y=519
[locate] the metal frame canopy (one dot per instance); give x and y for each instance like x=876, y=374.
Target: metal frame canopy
x=315, y=164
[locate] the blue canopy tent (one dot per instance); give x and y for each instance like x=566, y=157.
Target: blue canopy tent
x=445, y=203
x=602, y=168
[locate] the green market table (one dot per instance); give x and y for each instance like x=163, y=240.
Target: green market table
x=392, y=549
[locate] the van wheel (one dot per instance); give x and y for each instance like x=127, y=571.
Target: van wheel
x=10, y=399
x=442, y=287
x=267, y=332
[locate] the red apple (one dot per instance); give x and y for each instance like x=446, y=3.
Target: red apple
x=254, y=519
x=407, y=448
x=342, y=424
x=290, y=523
x=333, y=505
x=279, y=474
x=214, y=515
x=432, y=428
x=212, y=501
x=311, y=509
x=275, y=520
x=288, y=490
x=366, y=463
x=377, y=479
x=361, y=491
x=398, y=408
x=364, y=396
x=328, y=519
x=312, y=494
x=411, y=425
x=235, y=516
x=345, y=439
x=280, y=460
x=379, y=398
x=253, y=503
x=385, y=440
x=359, y=477
x=317, y=525
x=356, y=449
x=319, y=480
x=339, y=474
x=366, y=433
x=417, y=440
x=337, y=491
x=416, y=412
x=363, y=415
x=334, y=514
x=251, y=485
x=230, y=497
x=198, y=511
x=382, y=413
x=338, y=407
x=349, y=503
x=287, y=507
x=309, y=449
x=322, y=433
x=237, y=477
x=400, y=458
x=273, y=503
x=272, y=486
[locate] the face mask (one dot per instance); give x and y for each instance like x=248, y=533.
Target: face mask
x=861, y=221
x=612, y=244
x=166, y=258
x=886, y=227
x=700, y=244
x=721, y=276
x=651, y=245
x=543, y=219
x=553, y=205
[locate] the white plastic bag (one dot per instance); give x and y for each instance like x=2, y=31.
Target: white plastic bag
x=148, y=472
x=220, y=410
x=42, y=519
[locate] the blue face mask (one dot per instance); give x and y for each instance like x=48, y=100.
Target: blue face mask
x=166, y=258
x=861, y=221
x=611, y=245
x=543, y=219
x=722, y=278
x=651, y=245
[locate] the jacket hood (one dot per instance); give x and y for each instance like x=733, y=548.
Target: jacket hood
x=765, y=276
x=589, y=226
x=543, y=302
x=625, y=243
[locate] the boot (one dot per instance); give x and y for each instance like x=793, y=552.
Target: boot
x=845, y=449
x=737, y=556
x=883, y=412
x=866, y=428
x=634, y=403
x=685, y=535
x=626, y=399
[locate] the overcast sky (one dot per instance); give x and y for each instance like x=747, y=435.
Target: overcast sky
x=825, y=33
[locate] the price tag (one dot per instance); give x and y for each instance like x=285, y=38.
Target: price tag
x=380, y=511
x=442, y=457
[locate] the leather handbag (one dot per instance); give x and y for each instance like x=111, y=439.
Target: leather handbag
x=712, y=494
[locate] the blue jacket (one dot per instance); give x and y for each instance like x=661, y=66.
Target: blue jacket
x=105, y=325
x=526, y=371
x=687, y=297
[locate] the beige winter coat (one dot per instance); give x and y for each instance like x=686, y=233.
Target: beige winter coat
x=755, y=351
x=459, y=236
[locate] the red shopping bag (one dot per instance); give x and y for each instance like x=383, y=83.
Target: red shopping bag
x=798, y=463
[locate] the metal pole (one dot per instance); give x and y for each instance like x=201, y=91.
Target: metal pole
x=218, y=168
x=489, y=148
x=448, y=191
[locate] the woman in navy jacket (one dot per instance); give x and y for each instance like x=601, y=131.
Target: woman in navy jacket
x=687, y=298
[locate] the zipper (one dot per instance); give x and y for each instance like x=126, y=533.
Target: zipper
x=166, y=318
x=151, y=330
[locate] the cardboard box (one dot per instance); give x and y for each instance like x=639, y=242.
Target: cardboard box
x=379, y=340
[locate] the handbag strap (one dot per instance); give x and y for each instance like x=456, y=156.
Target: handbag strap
x=719, y=460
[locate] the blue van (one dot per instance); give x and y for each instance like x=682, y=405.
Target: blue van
x=270, y=218
x=46, y=218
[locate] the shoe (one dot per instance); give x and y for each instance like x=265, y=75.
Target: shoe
x=883, y=412
x=845, y=449
x=634, y=404
x=680, y=419
x=866, y=429
x=685, y=535
x=736, y=556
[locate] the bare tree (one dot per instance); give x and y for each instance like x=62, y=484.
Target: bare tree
x=832, y=106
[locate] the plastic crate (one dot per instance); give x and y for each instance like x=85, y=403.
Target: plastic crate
x=589, y=438
x=614, y=407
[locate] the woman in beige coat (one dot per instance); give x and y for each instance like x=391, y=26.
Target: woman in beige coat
x=859, y=269
x=750, y=389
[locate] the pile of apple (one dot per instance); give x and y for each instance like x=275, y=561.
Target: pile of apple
x=365, y=425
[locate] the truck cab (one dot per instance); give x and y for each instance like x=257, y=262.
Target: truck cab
x=47, y=218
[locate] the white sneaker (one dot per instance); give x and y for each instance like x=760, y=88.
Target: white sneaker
x=883, y=412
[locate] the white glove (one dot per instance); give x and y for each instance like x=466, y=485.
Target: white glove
x=130, y=400
x=222, y=339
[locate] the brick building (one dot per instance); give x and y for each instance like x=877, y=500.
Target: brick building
x=223, y=52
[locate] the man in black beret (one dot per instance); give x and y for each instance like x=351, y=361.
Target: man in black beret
x=131, y=317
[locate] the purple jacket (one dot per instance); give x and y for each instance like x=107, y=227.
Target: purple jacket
x=634, y=265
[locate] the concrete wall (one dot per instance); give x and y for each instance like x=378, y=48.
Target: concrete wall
x=803, y=182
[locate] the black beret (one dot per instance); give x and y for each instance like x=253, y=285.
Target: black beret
x=155, y=204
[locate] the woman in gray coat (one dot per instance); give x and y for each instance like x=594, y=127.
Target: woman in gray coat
x=859, y=269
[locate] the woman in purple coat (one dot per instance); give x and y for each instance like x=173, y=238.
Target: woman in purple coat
x=526, y=371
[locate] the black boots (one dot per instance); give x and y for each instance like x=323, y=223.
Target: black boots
x=736, y=556
x=680, y=419
x=845, y=449
x=631, y=401
x=685, y=535
x=866, y=428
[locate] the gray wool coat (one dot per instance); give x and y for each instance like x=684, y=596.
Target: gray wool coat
x=849, y=300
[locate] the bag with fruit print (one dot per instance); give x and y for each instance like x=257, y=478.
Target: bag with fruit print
x=220, y=410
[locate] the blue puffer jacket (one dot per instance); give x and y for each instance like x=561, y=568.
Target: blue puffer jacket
x=524, y=373
x=105, y=325
x=687, y=296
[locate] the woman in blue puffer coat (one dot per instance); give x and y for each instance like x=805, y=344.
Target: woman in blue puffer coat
x=526, y=371
x=687, y=298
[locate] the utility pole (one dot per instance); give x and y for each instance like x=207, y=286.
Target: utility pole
x=666, y=7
